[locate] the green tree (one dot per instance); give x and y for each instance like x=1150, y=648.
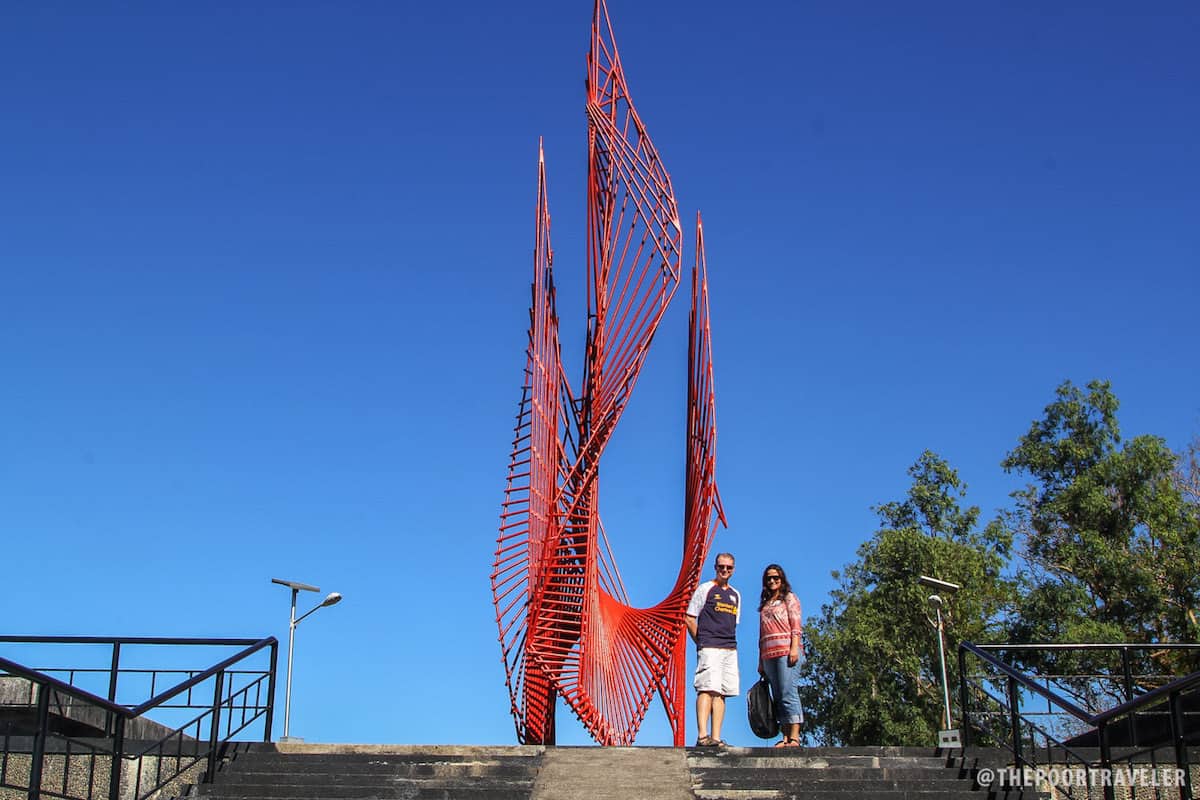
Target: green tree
x=872, y=675
x=1108, y=539
x=1187, y=474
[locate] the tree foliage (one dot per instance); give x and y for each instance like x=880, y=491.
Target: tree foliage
x=873, y=675
x=1105, y=547
x=1108, y=540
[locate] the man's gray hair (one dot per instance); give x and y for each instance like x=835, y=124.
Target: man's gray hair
x=727, y=555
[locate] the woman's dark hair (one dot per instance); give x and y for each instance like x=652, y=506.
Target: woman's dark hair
x=767, y=593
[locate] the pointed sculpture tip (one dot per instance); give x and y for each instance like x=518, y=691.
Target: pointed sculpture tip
x=541, y=156
x=699, y=222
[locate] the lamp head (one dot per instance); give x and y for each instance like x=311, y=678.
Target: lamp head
x=333, y=598
x=935, y=601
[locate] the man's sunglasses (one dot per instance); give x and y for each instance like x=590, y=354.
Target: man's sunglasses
x=725, y=567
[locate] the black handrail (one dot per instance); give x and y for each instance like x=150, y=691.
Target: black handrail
x=118, y=715
x=1091, y=646
x=129, y=712
x=1027, y=682
x=124, y=640
x=203, y=676
x=1149, y=698
x=13, y=668
x=1171, y=692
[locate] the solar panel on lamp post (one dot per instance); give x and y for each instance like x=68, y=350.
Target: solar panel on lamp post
x=330, y=599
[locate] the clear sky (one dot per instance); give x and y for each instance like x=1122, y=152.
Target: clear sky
x=264, y=271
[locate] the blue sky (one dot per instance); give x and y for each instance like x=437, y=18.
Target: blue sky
x=264, y=271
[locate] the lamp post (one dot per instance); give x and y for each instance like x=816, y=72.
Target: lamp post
x=948, y=737
x=330, y=599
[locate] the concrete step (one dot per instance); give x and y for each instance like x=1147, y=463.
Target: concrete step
x=791, y=758
x=848, y=774
x=613, y=773
x=371, y=772
x=785, y=783
x=840, y=773
x=462, y=791
x=281, y=761
x=911, y=752
x=806, y=794
x=398, y=789
x=379, y=772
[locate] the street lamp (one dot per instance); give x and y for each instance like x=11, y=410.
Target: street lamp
x=948, y=737
x=330, y=599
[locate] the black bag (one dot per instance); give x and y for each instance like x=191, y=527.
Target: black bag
x=760, y=708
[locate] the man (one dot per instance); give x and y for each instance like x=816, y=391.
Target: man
x=712, y=618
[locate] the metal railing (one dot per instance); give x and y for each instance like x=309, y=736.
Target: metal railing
x=1050, y=720
x=60, y=739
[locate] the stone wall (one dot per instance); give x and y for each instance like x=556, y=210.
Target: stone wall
x=82, y=773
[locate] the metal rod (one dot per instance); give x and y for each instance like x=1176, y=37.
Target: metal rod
x=39, y=742
x=1127, y=674
x=118, y=754
x=1127, y=679
x=287, y=695
x=114, y=668
x=1014, y=718
x=1178, y=733
x=947, y=721
x=112, y=675
x=214, y=729
x=271, y=692
x=1106, y=760
x=963, y=698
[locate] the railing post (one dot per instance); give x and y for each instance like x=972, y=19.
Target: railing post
x=1127, y=674
x=964, y=713
x=215, y=729
x=112, y=681
x=271, y=692
x=1181, y=753
x=1106, y=760
x=112, y=672
x=118, y=757
x=39, y=742
x=1014, y=719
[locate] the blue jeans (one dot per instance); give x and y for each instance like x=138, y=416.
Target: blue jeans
x=785, y=685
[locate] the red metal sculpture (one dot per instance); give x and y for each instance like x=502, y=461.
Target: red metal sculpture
x=566, y=626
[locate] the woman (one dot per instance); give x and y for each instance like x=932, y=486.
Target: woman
x=780, y=650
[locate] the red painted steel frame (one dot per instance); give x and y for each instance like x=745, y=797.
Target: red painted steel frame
x=565, y=623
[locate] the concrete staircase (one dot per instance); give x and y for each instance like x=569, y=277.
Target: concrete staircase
x=840, y=773
x=375, y=772
x=379, y=772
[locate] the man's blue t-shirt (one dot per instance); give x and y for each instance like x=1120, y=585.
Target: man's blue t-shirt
x=717, y=611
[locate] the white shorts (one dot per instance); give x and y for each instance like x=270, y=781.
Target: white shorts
x=717, y=671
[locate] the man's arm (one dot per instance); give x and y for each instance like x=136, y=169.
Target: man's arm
x=690, y=621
